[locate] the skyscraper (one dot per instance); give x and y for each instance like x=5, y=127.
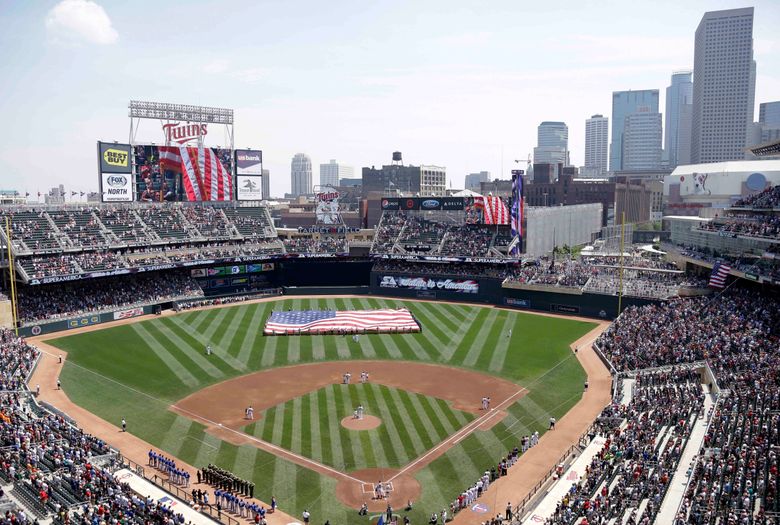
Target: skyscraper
x=679, y=112
x=769, y=121
x=300, y=175
x=473, y=180
x=332, y=172
x=596, y=139
x=724, y=85
x=552, y=143
x=642, y=140
x=625, y=103
x=266, y=184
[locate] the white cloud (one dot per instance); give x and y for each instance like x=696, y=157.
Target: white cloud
x=80, y=21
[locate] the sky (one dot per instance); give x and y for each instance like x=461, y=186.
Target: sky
x=457, y=84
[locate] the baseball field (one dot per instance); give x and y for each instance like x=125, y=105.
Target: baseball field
x=427, y=436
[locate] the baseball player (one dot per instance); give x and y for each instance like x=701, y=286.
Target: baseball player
x=124, y=425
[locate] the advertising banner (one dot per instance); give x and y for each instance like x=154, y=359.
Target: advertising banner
x=84, y=321
x=519, y=303
x=114, y=158
x=116, y=187
x=424, y=203
x=429, y=283
x=249, y=162
x=127, y=314
x=249, y=188
x=565, y=308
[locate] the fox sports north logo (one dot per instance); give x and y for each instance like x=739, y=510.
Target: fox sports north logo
x=117, y=181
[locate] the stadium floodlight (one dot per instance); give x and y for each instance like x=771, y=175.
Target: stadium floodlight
x=179, y=112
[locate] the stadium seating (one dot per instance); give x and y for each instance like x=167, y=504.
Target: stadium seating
x=735, y=477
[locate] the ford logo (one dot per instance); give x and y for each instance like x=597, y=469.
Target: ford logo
x=117, y=180
x=430, y=203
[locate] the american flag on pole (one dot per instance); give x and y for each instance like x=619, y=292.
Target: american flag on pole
x=718, y=276
x=297, y=322
x=517, y=213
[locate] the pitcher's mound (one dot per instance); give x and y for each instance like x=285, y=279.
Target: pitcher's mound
x=367, y=423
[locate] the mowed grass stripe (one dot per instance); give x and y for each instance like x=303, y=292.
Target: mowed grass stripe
x=350, y=397
x=503, y=344
x=449, y=324
x=199, y=319
x=390, y=444
x=310, y=428
x=287, y=425
x=419, y=417
x=231, y=333
x=178, y=369
x=396, y=427
x=268, y=350
x=244, y=464
x=376, y=443
x=199, y=343
x=297, y=436
x=432, y=329
x=192, y=353
x=464, y=331
x=483, y=336
x=334, y=425
x=210, y=328
x=407, y=422
x=320, y=415
x=173, y=439
x=439, y=420
x=342, y=406
x=463, y=346
x=277, y=431
x=265, y=428
x=254, y=329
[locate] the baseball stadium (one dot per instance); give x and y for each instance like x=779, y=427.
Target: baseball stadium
x=552, y=349
x=201, y=362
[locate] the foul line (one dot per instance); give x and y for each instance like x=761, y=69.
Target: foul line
x=452, y=440
x=282, y=451
x=462, y=433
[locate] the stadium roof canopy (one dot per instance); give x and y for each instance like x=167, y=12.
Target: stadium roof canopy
x=768, y=149
x=466, y=193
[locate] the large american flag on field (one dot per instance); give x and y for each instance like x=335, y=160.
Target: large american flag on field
x=294, y=322
x=718, y=276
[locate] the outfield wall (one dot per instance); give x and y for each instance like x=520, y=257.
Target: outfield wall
x=489, y=291
x=354, y=277
x=89, y=320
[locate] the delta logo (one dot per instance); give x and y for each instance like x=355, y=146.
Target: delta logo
x=115, y=157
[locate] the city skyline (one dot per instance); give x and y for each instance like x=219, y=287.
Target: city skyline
x=468, y=94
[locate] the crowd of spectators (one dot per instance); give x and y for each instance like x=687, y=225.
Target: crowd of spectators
x=429, y=236
x=738, y=333
x=769, y=198
x=627, y=479
x=57, y=470
x=755, y=225
x=467, y=240
x=323, y=244
x=38, y=303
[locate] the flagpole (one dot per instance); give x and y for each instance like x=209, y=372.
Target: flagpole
x=620, y=272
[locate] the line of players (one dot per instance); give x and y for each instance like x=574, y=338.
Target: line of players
x=168, y=466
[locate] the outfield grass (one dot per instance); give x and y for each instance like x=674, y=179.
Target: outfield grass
x=136, y=371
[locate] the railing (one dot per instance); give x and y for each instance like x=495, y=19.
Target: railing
x=520, y=509
x=183, y=495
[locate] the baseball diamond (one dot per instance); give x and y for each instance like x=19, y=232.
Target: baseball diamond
x=433, y=431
